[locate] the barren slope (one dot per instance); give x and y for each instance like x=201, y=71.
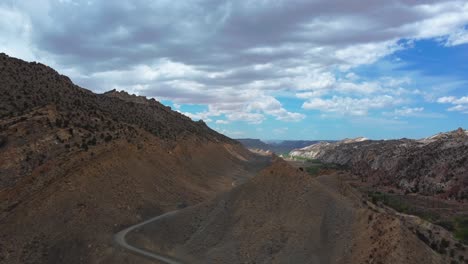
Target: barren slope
x=285, y=216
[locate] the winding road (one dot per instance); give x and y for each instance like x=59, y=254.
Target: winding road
x=119, y=238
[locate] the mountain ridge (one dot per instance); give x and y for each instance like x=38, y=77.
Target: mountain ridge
x=47, y=93
x=431, y=166
x=279, y=147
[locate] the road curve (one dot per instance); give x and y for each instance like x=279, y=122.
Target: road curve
x=119, y=238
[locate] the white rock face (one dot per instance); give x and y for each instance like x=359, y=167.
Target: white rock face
x=446, y=135
x=316, y=150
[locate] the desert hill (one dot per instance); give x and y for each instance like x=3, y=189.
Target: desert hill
x=76, y=166
x=283, y=215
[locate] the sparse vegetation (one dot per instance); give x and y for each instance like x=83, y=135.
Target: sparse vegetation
x=456, y=224
x=181, y=205
x=317, y=166
x=392, y=201
x=461, y=229
x=108, y=138
x=84, y=146
x=303, y=159
x=3, y=140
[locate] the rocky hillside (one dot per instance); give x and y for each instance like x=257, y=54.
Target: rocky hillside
x=252, y=143
x=285, y=146
x=316, y=150
x=76, y=166
x=432, y=166
x=283, y=215
x=278, y=147
x=29, y=86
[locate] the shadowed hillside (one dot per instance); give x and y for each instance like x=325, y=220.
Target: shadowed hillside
x=283, y=215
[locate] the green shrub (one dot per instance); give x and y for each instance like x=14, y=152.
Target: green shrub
x=449, y=225
x=108, y=138
x=3, y=140
x=317, y=166
x=390, y=200
x=84, y=146
x=313, y=170
x=461, y=229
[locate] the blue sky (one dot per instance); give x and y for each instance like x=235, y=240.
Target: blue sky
x=427, y=66
x=267, y=69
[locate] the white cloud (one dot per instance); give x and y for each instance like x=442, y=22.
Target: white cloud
x=352, y=76
x=165, y=69
x=219, y=121
x=459, y=108
x=311, y=79
x=453, y=100
x=408, y=111
x=312, y=94
x=271, y=106
x=460, y=104
x=350, y=106
x=412, y=112
x=253, y=111
x=366, y=53
x=457, y=38
x=358, y=88
x=283, y=115
x=442, y=19
x=252, y=118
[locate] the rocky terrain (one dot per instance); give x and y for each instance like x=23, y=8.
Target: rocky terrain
x=75, y=167
x=320, y=148
x=278, y=147
x=252, y=143
x=434, y=166
x=283, y=215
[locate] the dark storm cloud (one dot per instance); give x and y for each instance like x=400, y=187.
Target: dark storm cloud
x=205, y=32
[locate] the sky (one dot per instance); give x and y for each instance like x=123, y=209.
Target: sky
x=268, y=69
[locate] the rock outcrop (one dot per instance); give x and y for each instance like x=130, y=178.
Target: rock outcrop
x=316, y=150
x=279, y=147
